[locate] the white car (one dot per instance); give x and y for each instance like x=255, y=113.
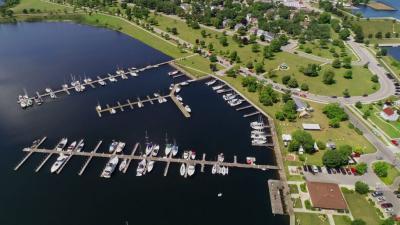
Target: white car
x=315, y=169
x=381, y=199
x=388, y=210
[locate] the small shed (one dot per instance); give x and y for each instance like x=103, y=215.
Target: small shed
x=311, y=126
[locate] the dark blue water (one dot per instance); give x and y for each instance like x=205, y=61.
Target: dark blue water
x=369, y=12
x=37, y=55
x=394, y=52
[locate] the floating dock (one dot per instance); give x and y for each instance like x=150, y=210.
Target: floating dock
x=276, y=188
x=29, y=154
x=89, y=159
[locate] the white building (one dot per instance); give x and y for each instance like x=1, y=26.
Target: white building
x=389, y=114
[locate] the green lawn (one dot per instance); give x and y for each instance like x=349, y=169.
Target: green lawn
x=359, y=85
x=293, y=189
x=297, y=203
x=325, y=52
x=342, y=220
x=341, y=136
x=37, y=4
x=361, y=208
x=196, y=63
x=392, y=129
x=311, y=218
x=380, y=25
x=393, y=63
x=392, y=174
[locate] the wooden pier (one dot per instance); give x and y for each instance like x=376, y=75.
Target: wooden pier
x=69, y=157
x=129, y=161
x=29, y=154
x=244, y=107
x=167, y=166
x=89, y=158
x=202, y=165
x=251, y=114
x=275, y=188
x=178, y=103
x=204, y=162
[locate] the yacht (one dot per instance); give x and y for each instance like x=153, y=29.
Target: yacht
x=123, y=164
x=217, y=87
x=155, y=150
x=120, y=147
x=123, y=76
x=211, y=82
x=191, y=170
x=149, y=148
x=221, y=157
x=52, y=95
x=61, y=145
x=235, y=102
x=141, y=168
x=111, y=78
x=192, y=155
x=178, y=89
x=260, y=132
x=72, y=146
x=184, y=83
x=113, y=146
x=214, y=169
x=173, y=73
x=58, y=163
x=80, y=146
x=259, y=136
x=258, y=127
x=120, y=71
x=110, y=167
x=188, y=109
x=150, y=165
x=133, y=73
x=171, y=86
x=64, y=86
x=179, y=98
x=223, y=170
x=112, y=111
x=183, y=169
x=174, y=150
x=222, y=90
x=258, y=142
x=256, y=123
x=98, y=107
x=48, y=90
x=168, y=149
x=186, y=155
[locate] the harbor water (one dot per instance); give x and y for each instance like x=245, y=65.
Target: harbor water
x=34, y=56
x=367, y=11
x=394, y=52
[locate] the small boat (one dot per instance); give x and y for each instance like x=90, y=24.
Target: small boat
x=61, y=145
x=214, y=169
x=222, y=90
x=52, y=95
x=179, y=98
x=123, y=164
x=64, y=86
x=221, y=157
x=211, y=82
x=192, y=155
x=155, y=150
x=48, y=90
x=80, y=146
x=230, y=97
x=258, y=142
x=123, y=76
x=132, y=72
x=223, y=170
x=120, y=71
x=120, y=147
x=171, y=86
x=168, y=149
x=184, y=83
x=58, y=163
x=72, y=146
x=235, y=102
x=177, y=89
x=173, y=73
x=191, y=170
x=174, y=150
x=219, y=195
x=149, y=148
x=186, y=155
x=188, y=109
x=35, y=143
x=141, y=168
x=113, y=146
x=183, y=169
x=110, y=167
x=150, y=165
x=260, y=132
x=112, y=111
x=217, y=87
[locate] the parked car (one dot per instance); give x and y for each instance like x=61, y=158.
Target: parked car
x=381, y=198
x=343, y=171
x=309, y=168
x=314, y=169
x=387, y=205
x=333, y=170
x=329, y=170
x=377, y=193
x=398, y=196
x=396, y=192
x=388, y=210
x=319, y=169
x=334, y=96
x=348, y=171
x=305, y=168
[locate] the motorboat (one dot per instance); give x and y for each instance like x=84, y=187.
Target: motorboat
x=72, y=146
x=61, y=145
x=141, y=168
x=120, y=147
x=58, y=163
x=179, y=98
x=235, y=102
x=150, y=165
x=192, y=155
x=133, y=73
x=211, y=82
x=168, y=149
x=188, y=109
x=149, y=148
x=80, y=146
x=155, y=150
x=259, y=132
x=186, y=155
x=123, y=164
x=222, y=90
x=190, y=170
x=110, y=167
x=52, y=95
x=35, y=143
x=221, y=157
x=217, y=87
x=177, y=89
x=48, y=90
x=120, y=71
x=172, y=73
x=182, y=169
x=113, y=146
x=184, y=83
x=174, y=150
x=214, y=169
x=258, y=136
x=112, y=111
x=123, y=76
x=171, y=86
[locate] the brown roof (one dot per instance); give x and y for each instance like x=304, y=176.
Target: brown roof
x=326, y=195
x=388, y=111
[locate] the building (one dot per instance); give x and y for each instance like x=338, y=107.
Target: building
x=331, y=145
x=267, y=36
x=326, y=196
x=389, y=114
x=300, y=105
x=311, y=126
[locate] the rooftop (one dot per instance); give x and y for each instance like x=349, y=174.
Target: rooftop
x=326, y=195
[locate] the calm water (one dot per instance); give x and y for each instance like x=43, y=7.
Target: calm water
x=34, y=56
x=394, y=52
x=369, y=12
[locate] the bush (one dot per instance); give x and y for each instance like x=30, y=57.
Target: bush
x=303, y=187
x=358, y=222
x=302, y=158
x=333, y=110
x=348, y=74
x=358, y=105
x=321, y=145
x=337, y=158
x=361, y=168
x=381, y=169
x=285, y=79
x=375, y=78
x=361, y=187
x=304, y=87
x=280, y=116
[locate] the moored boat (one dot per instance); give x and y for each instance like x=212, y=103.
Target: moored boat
x=110, y=167
x=61, y=145
x=58, y=163
x=182, y=169
x=190, y=170
x=113, y=146
x=123, y=164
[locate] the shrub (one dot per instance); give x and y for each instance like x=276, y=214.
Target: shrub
x=321, y=145
x=361, y=168
x=303, y=187
x=358, y=222
x=381, y=169
x=361, y=187
x=304, y=87
x=359, y=105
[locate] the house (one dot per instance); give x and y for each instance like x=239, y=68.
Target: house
x=300, y=105
x=267, y=36
x=389, y=114
x=311, y=126
x=238, y=26
x=286, y=138
x=186, y=7
x=326, y=196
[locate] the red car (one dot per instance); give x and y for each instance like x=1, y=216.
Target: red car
x=395, y=142
x=386, y=205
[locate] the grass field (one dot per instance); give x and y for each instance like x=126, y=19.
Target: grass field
x=311, y=218
x=197, y=66
x=392, y=174
x=361, y=208
x=37, y=4
x=393, y=63
x=380, y=25
x=293, y=189
x=341, y=136
x=342, y=220
x=392, y=129
x=325, y=52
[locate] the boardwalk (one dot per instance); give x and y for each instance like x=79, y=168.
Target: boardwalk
x=275, y=188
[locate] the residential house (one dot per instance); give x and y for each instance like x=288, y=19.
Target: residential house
x=389, y=114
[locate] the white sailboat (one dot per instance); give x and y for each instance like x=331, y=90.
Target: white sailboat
x=183, y=169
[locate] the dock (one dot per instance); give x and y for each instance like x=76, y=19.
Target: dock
x=94, y=153
x=167, y=166
x=89, y=158
x=28, y=155
x=251, y=114
x=202, y=165
x=150, y=99
x=244, y=107
x=69, y=157
x=178, y=103
x=133, y=153
x=275, y=188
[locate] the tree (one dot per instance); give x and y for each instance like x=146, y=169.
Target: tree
x=333, y=111
x=346, y=93
x=213, y=67
x=378, y=35
x=344, y=34
x=336, y=158
x=325, y=18
x=311, y=70
x=361, y=187
x=223, y=41
x=285, y=79
x=347, y=62
x=259, y=67
x=304, y=139
x=328, y=77
x=280, y=116
x=293, y=83
x=348, y=74
x=358, y=105
x=361, y=168
x=358, y=222
x=381, y=169
x=336, y=63
x=304, y=87
x=213, y=58
x=203, y=33
x=255, y=47
x=231, y=72
x=275, y=45
x=375, y=78
x=249, y=65
x=174, y=31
